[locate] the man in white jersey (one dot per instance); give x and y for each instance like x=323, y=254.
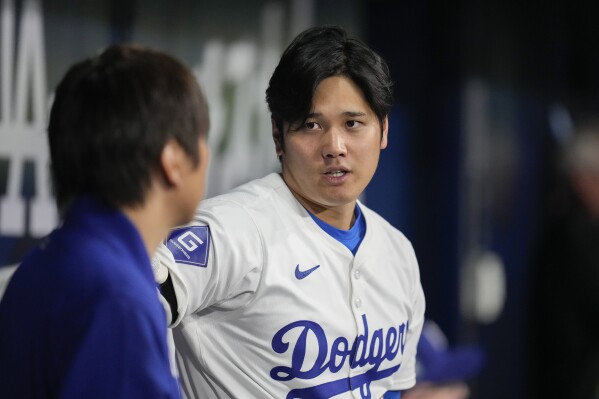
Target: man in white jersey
x=288, y=286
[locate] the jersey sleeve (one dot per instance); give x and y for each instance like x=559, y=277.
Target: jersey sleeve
x=406, y=375
x=214, y=261
x=116, y=350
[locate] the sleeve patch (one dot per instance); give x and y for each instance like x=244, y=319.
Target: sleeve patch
x=190, y=245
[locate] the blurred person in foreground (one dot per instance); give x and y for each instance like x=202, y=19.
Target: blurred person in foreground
x=564, y=337
x=81, y=317
x=289, y=286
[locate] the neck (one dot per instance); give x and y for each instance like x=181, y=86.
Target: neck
x=151, y=226
x=340, y=216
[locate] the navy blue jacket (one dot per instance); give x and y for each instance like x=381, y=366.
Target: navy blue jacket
x=81, y=317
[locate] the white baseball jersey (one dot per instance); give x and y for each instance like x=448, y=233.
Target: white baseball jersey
x=271, y=306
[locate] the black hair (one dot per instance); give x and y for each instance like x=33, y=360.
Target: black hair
x=319, y=53
x=111, y=118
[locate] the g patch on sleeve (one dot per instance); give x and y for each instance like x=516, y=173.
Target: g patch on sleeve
x=190, y=245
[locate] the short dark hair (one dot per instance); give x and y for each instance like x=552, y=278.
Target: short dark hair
x=319, y=53
x=113, y=114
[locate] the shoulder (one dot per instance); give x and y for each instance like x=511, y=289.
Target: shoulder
x=384, y=238
x=89, y=266
x=380, y=225
x=249, y=195
x=245, y=207
x=229, y=226
x=72, y=290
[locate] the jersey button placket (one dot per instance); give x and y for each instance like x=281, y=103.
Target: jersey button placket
x=357, y=300
x=357, y=303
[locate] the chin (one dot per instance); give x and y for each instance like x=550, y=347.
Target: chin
x=341, y=198
x=335, y=202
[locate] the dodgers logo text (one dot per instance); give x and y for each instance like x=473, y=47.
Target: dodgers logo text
x=368, y=349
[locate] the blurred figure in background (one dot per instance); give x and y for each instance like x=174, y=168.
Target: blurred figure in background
x=564, y=338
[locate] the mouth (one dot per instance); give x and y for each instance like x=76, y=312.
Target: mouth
x=336, y=173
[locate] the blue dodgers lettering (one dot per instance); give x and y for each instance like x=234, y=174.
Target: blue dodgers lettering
x=365, y=350
x=190, y=245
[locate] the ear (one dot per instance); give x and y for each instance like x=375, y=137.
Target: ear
x=385, y=131
x=172, y=163
x=276, y=137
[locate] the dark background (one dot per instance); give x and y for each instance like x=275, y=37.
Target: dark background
x=531, y=56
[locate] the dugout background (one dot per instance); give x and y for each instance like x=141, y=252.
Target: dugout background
x=482, y=94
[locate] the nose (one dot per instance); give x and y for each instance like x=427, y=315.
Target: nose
x=333, y=144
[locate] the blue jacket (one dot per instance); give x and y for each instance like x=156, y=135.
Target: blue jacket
x=81, y=317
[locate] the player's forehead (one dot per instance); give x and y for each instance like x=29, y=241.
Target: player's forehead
x=339, y=96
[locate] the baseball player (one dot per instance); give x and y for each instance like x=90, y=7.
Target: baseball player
x=288, y=286
x=81, y=317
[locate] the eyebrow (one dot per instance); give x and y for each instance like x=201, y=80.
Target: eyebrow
x=347, y=113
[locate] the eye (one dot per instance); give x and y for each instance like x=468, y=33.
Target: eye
x=311, y=126
x=352, y=124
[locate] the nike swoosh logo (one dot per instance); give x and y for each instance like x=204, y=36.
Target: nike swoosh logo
x=301, y=274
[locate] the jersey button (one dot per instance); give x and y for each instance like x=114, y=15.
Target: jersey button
x=357, y=302
x=357, y=274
